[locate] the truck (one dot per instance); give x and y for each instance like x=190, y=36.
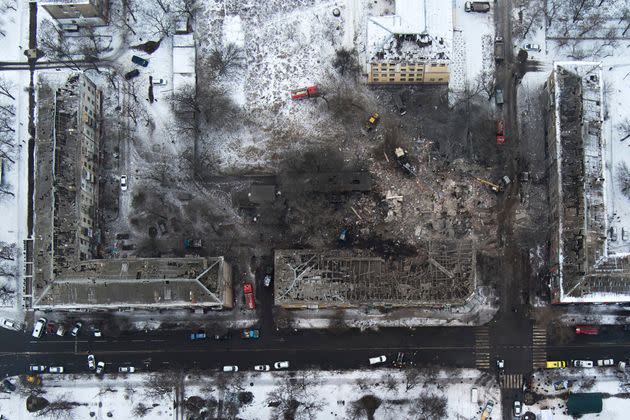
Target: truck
x=477, y=6
x=499, y=48
x=305, y=93
x=248, y=291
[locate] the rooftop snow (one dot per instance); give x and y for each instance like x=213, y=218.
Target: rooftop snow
x=430, y=20
x=183, y=54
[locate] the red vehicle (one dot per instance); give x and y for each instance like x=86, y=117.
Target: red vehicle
x=586, y=330
x=307, y=92
x=248, y=290
x=500, y=132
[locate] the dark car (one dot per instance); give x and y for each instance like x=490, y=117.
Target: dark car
x=8, y=385
x=199, y=335
x=250, y=333
x=139, y=61
x=131, y=74
x=225, y=336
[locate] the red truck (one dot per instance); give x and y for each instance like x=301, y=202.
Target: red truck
x=304, y=93
x=586, y=330
x=248, y=290
x=500, y=132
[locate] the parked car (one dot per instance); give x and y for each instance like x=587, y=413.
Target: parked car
x=76, y=328
x=37, y=368
x=10, y=325
x=477, y=6
x=38, y=328
x=281, y=365
x=139, y=61
x=97, y=333
x=267, y=280
x=199, y=335
x=583, y=363
x=605, y=362
x=91, y=362
x=518, y=408
x=126, y=369
x=55, y=369
x=160, y=82
x=131, y=74
x=560, y=385
x=8, y=385
x=100, y=368
x=377, y=360
x=586, y=330
x=531, y=47
x=250, y=333
x=498, y=96
x=248, y=290
x=61, y=331
x=231, y=368
x=222, y=337
x=501, y=364
x=262, y=368
x=500, y=132
x=560, y=364
x=123, y=183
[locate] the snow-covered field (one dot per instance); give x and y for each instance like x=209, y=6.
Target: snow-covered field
x=387, y=394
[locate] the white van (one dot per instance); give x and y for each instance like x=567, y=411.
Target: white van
x=474, y=396
x=377, y=360
x=38, y=329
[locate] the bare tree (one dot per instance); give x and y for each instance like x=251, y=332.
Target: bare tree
x=346, y=62
x=623, y=178
x=225, y=61
x=6, y=86
x=158, y=385
x=141, y=410
x=412, y=378
x=292, y=398
x=58, y=409
x=625, y=17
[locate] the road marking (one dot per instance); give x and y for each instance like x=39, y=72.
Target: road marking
x=539, y=347
x=482, y=348
x=511, y=381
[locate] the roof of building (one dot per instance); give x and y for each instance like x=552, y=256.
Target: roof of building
x=142, y=282
x=183, y=54
x=584, y=403
x=418, y=30
x=439, y=274
x=593, y=264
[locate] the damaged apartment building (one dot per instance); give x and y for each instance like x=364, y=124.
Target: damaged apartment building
x=437, y=276
x=67, y=273
x=589, y=247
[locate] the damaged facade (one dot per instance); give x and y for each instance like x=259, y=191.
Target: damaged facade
x=440, y=274
x=78, y=12
x=412, y=46
x=588, y=260
x=66, y=273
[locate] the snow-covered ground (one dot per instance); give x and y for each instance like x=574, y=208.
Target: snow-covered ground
x=387, y=394
x=612, y=383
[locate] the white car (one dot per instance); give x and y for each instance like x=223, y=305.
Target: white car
x=377, y=360
x=230, y=368
x=605, y=362
x=123, y=183
x=126, y=369
x=97, y=333
x=55, y=369
x=61, y=331
x=531, y=47
x=583, y=363
x=10, y=325
x=262, y=368
x=37, y=368
x=518, y=408
x=501, y=364
x=91, y=362
x=76, y=328
x=38, y=329
x=281, y=365
x=100, y=367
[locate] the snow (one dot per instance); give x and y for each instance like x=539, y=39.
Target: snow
x=608, y=381
x=335, y=393
x=233, y=31
x=183, y=54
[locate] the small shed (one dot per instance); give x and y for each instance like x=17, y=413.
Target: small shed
x=584, y=403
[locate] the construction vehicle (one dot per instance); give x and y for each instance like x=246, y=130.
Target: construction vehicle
x=305, y=93
x=487, y=410
x=403, y=159
x=33, y=379
x=372, y=121
x=494, y=187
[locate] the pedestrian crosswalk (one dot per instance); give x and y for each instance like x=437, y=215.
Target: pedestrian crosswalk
x=482, y=348
x=539, y=347
x=511, y=381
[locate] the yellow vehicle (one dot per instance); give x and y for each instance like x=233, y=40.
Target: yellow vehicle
x=560, y=364
x=33, y=379
x=371, y=122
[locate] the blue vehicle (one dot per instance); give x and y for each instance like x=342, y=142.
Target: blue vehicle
x=199, y=335
x=250, y=333
x=139, y=61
